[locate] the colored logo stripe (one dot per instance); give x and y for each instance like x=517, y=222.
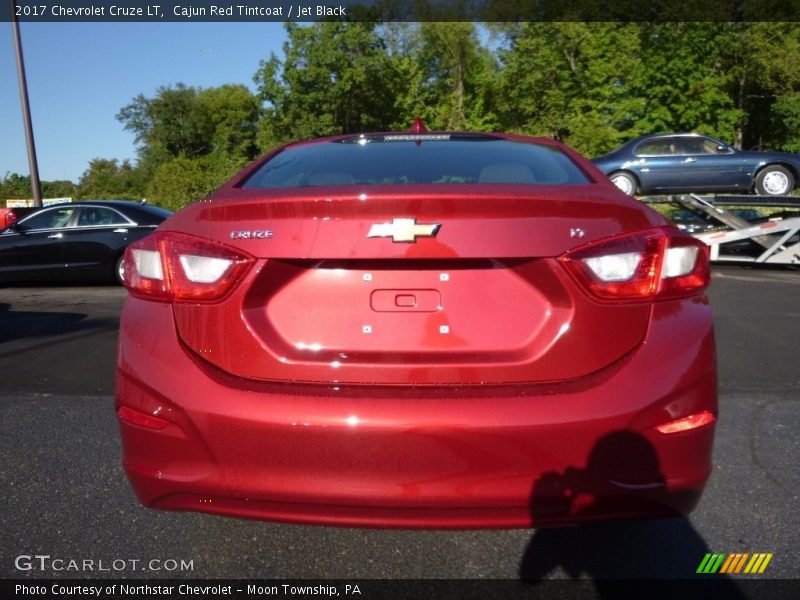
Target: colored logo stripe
x=711, y=563
x=734, y=563
x=758, y=563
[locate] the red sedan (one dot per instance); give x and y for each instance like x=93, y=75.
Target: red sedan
x=418, y=330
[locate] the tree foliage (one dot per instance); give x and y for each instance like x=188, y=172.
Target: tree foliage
x=190, y=140
x=686, y=84
x=14, y=186
x=110, y=179
x=593, y=85
x=596, y=85
x=182, y=180
x=190, y=122
x=335, y=77
x=577, y=82
x=459, y=78
x=763, y=63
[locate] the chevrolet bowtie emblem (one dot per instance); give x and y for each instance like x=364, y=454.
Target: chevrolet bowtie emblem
x=404, y=230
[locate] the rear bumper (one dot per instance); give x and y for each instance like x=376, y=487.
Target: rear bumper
x=426, y=457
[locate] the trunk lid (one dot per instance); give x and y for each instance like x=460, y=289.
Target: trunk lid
x=482, y=302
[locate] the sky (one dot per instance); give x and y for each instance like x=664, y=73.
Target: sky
x=81, y=74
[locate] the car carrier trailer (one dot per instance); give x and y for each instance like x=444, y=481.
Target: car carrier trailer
x=775, y=241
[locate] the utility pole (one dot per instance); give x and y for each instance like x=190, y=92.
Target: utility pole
x=36, y=185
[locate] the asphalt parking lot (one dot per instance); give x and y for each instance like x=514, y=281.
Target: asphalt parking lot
x=65, y=495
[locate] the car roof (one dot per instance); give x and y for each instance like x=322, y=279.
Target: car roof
x=130, y=204
x=110, y=203
x=142, y=213
x=422, y=136
x=653, y=136
x=104, y=203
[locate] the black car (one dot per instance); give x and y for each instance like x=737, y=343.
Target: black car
x=676, y=163
x=78, y=240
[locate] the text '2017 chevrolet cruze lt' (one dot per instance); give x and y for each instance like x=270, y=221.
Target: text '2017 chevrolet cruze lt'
x=418, y=330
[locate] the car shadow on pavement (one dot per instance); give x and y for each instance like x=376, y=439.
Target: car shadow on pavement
x=611, y=553
x=15, y=324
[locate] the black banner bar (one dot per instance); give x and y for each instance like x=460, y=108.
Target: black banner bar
x=155, y=11
x=401, y=589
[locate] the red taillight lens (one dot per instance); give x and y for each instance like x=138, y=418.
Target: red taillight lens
x=170, y=266
x=140, y=419
x=687, y=423
x=647, y=265
x=686, y=267
x=144, y=270
x=198, y=269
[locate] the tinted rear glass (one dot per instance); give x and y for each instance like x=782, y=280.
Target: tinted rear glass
x=408, y=159
x=657, y=147
x=155, y=211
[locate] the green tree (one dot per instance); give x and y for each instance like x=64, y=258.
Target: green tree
x=592, y=84
x=14, y=186
x=169, y=124
x=687, y=85
x=110, y=179
x=595, y=85
x=187, y=132
x=577, y=82
x=231, y=113
x=61, y=188
x=182, y=180
x=191, y=122
x=334, y=78
x=762, y=61
x=459, y=78
x=786, y=122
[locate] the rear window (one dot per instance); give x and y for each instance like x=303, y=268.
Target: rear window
x=156, y=214
x=416, y=159
x=657, y=147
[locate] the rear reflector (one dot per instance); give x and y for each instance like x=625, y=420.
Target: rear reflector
x=687, y=423
x=647, y=265
x=140, y=419
x=169, y=266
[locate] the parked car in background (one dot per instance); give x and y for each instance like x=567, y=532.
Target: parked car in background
x=75, y=241
x=418, y=329
x=10, y=215
x=693, y=222
x=677, y=163
x=7, y=217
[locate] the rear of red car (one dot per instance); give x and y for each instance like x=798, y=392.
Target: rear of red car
x=427, y=330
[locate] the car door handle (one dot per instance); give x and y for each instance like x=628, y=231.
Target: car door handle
x=121, y=230
x=55, y=236
x=690, y=160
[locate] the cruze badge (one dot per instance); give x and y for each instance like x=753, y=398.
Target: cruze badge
x=404, y=230
x=251, y=234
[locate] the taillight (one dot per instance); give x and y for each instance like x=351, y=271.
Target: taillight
x=175, y=267
x=687, y=423
x=144, y=270
x=686, y=267
x=648, y=265
x=140, y=419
